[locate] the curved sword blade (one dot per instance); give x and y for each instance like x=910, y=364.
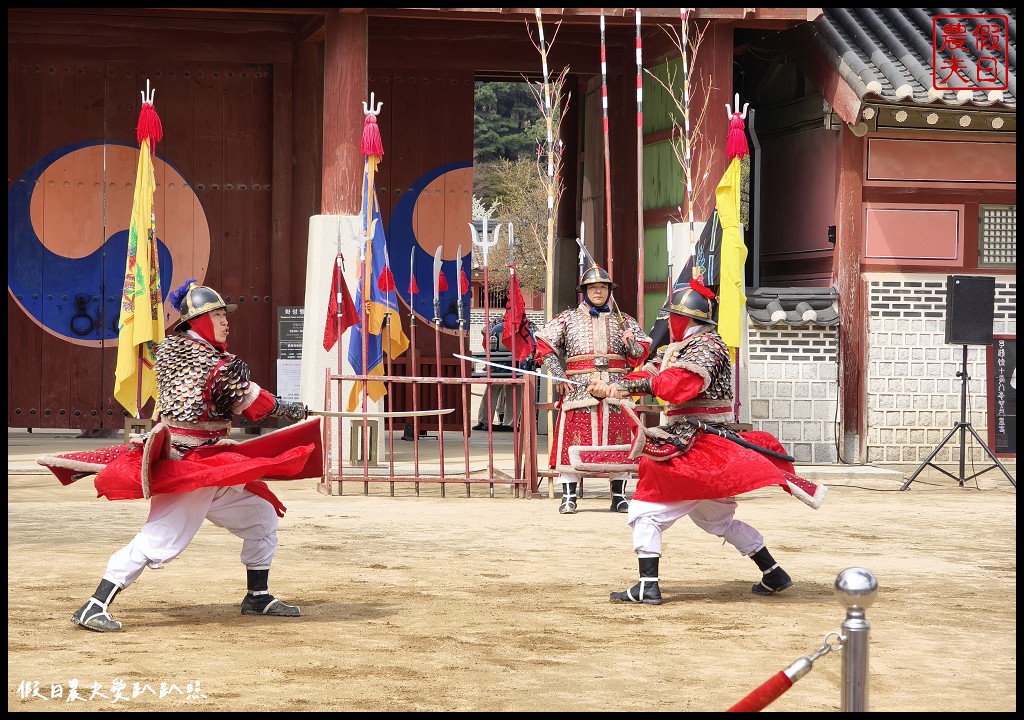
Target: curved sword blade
x=383, y=413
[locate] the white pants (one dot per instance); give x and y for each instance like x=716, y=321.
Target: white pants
x=649, y=520
x=174, y=519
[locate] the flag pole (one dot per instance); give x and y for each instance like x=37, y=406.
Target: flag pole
x=641, y=289
x=141, y=321
x=607, y=151
x=146, y=144
x=371, y=147
x=339, y=278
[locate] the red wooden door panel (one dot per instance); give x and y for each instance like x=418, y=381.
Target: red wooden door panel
x=72, y=155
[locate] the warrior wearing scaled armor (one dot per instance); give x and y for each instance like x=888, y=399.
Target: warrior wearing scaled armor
x=701, y=471
x=190, y=470
x=596, y=343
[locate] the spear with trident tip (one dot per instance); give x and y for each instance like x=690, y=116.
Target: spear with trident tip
x=485, y=245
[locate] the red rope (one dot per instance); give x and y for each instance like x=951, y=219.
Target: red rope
x=764, y=695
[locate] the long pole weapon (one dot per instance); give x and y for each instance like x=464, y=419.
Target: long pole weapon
x=641, y=289
x=607, y=151
x=549, y=260
x=386, y=330
x=437, y=350
x=687, y=162
x=463, y=330
x=339, y=297
x=668, y=248
x=509, y=318
x=582, y=259
x=413, y=370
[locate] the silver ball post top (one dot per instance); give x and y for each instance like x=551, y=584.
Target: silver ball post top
x=856, y=588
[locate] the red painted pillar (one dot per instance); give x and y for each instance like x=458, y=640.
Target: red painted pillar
x=345, y=91
x=853, y=315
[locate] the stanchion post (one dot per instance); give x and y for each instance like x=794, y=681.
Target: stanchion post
x=856, y=589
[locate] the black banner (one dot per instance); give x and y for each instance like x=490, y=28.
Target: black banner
x=1002, y=395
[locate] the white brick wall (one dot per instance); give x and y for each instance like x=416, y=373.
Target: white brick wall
x=913, y=389
x=791, y=388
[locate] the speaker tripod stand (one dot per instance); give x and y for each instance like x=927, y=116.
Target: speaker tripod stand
x=963, y=426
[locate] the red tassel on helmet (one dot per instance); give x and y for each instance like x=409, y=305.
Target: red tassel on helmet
x=442, y=284
x=371, y=143
x=386, y=281
x=463, y=282
x=149, y=127
x=698, y=285
x=736, y=143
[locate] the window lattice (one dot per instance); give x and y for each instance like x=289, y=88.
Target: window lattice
x=997, y=238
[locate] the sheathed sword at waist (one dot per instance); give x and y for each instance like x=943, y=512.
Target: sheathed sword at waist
x=629, y=408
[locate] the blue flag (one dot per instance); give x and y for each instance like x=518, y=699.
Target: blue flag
x=384, y=324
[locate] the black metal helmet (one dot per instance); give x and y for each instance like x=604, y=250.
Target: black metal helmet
x=596, y=274
x=197, y=300
x=686, y=300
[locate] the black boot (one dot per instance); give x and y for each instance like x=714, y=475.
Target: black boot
x=95, y=615
x=773, y=578
x=568, y=506
x=646, y=591
x=259, y=601
x=619, y=503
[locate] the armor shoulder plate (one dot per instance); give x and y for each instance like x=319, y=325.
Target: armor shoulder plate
x=229, y=385
x=183, y=366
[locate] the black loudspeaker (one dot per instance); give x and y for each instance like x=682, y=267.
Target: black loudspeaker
x=970, y=309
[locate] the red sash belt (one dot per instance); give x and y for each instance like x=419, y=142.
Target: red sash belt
x=578, y=367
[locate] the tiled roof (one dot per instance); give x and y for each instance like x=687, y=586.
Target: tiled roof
x=887, y=55
x=793, y=307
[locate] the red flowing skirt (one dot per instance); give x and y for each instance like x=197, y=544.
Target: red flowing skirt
x=713, y=468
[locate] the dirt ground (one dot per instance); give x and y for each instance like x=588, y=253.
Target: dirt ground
x=501, y=604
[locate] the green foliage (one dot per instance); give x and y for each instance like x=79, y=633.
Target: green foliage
x=510, y=181
x=520, y=195
x=506, y=122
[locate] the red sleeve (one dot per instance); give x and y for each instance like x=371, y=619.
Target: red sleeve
x=638, y=361
x=262, y=406
x=543, y=350
x=676, y=385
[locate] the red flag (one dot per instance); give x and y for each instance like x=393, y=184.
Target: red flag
x=349, y=314
x=515, y=320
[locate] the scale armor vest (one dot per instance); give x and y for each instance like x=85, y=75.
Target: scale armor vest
x=197, y=382
x=578, y=336
x=705, y=354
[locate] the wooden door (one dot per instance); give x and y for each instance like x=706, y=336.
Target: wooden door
x=72, y=156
